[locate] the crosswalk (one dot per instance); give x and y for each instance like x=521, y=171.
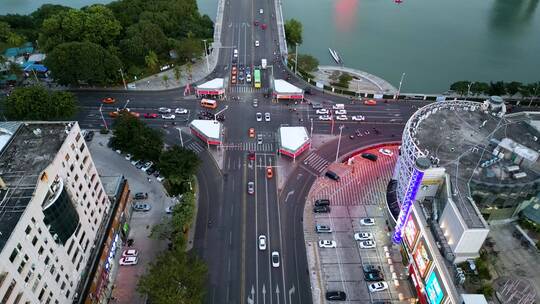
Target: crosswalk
x=250, y=146
x=195, y=147
x=244, y=89
x=314, y=162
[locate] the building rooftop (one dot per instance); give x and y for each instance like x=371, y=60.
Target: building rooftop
x=31, y=148
x=293, y=138
x=209, y=128
x=282, y=86
x=467, y=142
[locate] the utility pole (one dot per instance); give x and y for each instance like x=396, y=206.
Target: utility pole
x=123, y=79
x=206, y=55
x=296, y=59
x=400, y=83
x=311, y=133
x=180, y=133
x=469, y=90
x=103, y=118
x=339, y=141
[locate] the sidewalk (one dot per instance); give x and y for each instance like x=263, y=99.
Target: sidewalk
x=364, y=82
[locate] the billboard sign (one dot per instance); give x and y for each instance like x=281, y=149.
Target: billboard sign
x=411, y=231
x=422, y=258
x=434, y=289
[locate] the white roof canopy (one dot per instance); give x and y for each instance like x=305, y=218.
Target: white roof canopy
x=209, y=128
x=283, y=87
x=214, y=84
x=293, y=138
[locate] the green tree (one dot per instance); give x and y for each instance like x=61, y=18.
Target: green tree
x=460, y=87
x=479, y=88
x=46, y=11
x=182, y=217
x=293, y=32
x=36, y=103
x=132, y=135
x=165, y=78
x=344, y=80
x=152, y=61
x=178, y=165
x=497, y=88
x=307, y=63
x=188, y=49
x=174, y=277
x=177, y=73
x=141, y=39
x=95, y=23
x=512, y=88
x=74, y=63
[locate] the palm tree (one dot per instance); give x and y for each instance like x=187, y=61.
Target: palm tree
x=151, y=61
x=177, y=73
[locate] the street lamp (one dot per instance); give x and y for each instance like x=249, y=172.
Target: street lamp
x=206, y=55
x=400, y=83
x=103, y=118
x=296, y=59
x=311, y=133
x=123, y=79
x=339, y=141
x=180, y=133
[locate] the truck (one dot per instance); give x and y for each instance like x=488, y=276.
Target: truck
x=263, y=63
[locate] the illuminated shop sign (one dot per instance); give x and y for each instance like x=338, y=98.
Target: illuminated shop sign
x=411, y=231
x=408, y=200
x=112, y=252
x=434, y=289
x=422, y=259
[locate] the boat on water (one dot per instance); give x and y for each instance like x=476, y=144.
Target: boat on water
x=335, y=56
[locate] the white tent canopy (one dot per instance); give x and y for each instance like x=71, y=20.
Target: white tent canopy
x=293, y=138
x=208, y=128
x=214, y=84
x=283, y=87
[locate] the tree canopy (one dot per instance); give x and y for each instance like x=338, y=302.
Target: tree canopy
x=307, y=63
x=293, y=32
x=178, y=165
x=37, y=103
x=132, y=135
x=83, y=62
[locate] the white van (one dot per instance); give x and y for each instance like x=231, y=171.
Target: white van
x=338, y=106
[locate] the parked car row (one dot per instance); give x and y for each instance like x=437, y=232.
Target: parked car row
x=145, y=166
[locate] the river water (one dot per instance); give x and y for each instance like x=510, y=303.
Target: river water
x=433, y=42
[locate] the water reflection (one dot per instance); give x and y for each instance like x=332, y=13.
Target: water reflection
x=345, y=14
x=511, y=16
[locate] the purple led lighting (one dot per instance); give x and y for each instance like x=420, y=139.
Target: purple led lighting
x=410, y=195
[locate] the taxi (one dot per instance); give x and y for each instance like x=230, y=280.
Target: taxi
x=370, y=102
x=108, y=100
x=269, y=172
x=251, y=132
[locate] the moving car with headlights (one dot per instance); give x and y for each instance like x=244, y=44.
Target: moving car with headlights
x=168, y=116
x=180, y=111
x=164, y=110
x=325, y=117
x=342, y=117
x=358, y=118
x=340, y=112
x=322, y=111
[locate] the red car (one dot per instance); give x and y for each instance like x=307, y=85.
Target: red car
x=370, y=102
x=263, y=26
x=251, y=156
x=108, y=100
x=151, y=115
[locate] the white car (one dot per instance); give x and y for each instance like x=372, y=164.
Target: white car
x=341, y=117
x=259, y=139
x=340, y=112
x=235, y=53
x=367, y=244
x=256, y=42
x=147, y=166
x=130, y=253
x=266, y=116
x=261, y=11
x=134, y=162
x=325, y=117
x=180, y=111
x=160, y=178
x=118, y=151
x=379, y=286
x=386, y=152
x=164, y=110
x=368, y=221
x=322, y=111
x=129, y=261
x=338, y=106
x=363, y=236
x=168, y=116
x=327, y=244
x=169, y=209
x=259, y=116
x=128, y=156
x=275, y=259
x=358, y=118
x=262, y=242
x=248, y=78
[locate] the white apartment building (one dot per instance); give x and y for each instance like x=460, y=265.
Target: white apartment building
x=51, y=205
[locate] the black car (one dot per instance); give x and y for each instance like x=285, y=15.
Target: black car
x=150, y=170
x=371, y=157
x=141, y=195
x=337, y=295
x=89, y=136
x=321, y=209
x=322, y=202
x=371, y=268
x=332, y=175
x=373, y=276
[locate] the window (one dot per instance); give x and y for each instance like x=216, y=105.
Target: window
x=57, y=278
x=67, y=294
x=53, y=268
x=36, y=283
x=85, y=159
x=47, y=260
x=80, y=187
x=8, y=291
x=81, y=167
x=3, y=276
x=76, y=177
x=18, y=298
x=86, y=245
x=41, y=293
x=67, y=157
x=71, y=168
x=39, y=230
x=40, y=251
x=13, y=255
x=28, y=230
x=72, y=146
x=78, y=137
x=82, y=147
x=84, y=196
x=75, y=255
x=21, y=266
x=34, y=240
x=70, y=247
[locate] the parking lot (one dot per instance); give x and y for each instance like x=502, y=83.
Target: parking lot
x=110, y=163
x=360, y=194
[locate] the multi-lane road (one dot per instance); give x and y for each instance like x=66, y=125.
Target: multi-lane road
x=229, y=219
